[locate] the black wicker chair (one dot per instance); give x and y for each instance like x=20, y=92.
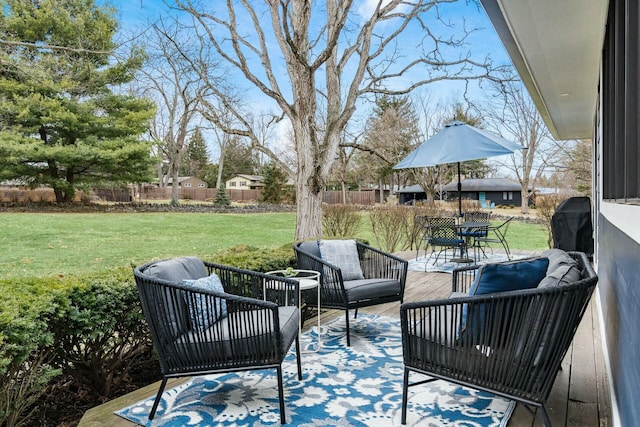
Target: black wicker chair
x=518, y=342
x=384, y=279
x=256, y=332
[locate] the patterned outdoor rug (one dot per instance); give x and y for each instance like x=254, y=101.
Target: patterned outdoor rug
x=423, y=263
x=359, y=385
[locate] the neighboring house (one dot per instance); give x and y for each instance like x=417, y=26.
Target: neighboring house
x=411, y=194
x=189, y=182
x=245, y=182
x=579, y=61
x=487, y=191
x=498, y=191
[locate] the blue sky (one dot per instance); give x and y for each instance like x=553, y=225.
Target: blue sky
x=135, y=15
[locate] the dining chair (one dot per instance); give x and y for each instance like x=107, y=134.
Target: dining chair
x=495, y=234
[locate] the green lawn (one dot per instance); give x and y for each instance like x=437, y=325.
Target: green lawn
x=44, y=244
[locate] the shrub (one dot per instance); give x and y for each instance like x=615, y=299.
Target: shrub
x=340, y=220
x=257, y=259
x=99, y=330
x=391, y=226
x=546, y=206
x=25, y=341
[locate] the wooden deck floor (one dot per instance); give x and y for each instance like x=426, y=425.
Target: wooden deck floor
x=580, y=396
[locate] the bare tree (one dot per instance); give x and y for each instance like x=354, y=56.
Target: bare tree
x=516, y=118
x=330, y=56
x=575, y=166
x=171, y=83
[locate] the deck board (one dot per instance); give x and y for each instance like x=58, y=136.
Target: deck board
x=580, y=395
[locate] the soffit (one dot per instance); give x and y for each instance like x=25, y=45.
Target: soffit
x=556, y=47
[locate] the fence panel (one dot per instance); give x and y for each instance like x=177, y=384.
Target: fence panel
x=353, y=197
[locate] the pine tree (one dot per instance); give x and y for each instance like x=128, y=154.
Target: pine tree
x=196, y=157
x=62, y=125
x=222, y=198
x=274, y=181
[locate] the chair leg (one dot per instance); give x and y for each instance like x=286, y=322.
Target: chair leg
x=348, y=335
x=283, y=416
x=298, y=357
x=158, y=397
x=405, y=392
x=545, y=416
x=355, y=313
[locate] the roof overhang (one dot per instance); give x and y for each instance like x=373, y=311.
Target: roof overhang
x=556, y=47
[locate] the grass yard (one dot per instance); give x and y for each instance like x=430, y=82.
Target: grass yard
x=46, y=244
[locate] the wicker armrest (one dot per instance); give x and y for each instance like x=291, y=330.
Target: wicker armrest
x=251, y=284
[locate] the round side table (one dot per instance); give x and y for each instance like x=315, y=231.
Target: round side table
x=307, y=279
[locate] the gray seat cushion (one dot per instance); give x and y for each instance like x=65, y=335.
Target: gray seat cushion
x=247, y=337
x=364, y=289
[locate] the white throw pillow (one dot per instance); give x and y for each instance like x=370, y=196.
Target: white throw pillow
x=344, y=255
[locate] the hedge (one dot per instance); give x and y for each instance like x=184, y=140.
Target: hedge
x=89, y=327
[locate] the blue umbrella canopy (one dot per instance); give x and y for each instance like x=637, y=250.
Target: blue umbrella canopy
x=457, y=142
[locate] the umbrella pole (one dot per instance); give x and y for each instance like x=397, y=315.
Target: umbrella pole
x=459, y=192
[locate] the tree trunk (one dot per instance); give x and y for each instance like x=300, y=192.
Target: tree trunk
x=524, y=205
x=343, y=187
x=309, y=212
x=175, y=186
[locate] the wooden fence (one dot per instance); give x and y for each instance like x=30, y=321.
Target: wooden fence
x=149, y=193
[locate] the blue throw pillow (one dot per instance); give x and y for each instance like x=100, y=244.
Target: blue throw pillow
x=509, y=276
x=199, y=314
x=499, y=277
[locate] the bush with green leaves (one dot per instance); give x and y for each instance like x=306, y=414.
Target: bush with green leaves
x=99, y=332
x=257, y=259
x=88, y=327
x=25, y=343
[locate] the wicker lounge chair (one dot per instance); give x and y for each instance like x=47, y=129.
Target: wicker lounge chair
x=509, y=343
x=381, y=277
x=249, y=324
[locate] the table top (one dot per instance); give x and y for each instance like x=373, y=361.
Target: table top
x=309, y=280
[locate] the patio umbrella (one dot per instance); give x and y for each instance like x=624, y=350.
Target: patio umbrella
x=457, y=142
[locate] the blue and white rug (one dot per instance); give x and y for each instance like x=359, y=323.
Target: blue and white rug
x=342, y=386
x=424, y=263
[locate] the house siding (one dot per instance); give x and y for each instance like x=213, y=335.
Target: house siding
x=619, y=291
x=616, y=178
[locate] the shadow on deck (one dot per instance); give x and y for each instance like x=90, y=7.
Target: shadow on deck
x=580, y=395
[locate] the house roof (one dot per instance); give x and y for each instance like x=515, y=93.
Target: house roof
x=184, y=178
x=486, y=184
x=411, y=189
x=249, y=177
x=556, y=48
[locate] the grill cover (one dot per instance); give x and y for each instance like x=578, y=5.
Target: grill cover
x=571, y=225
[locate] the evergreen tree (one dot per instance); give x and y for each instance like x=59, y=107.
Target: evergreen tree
x=222, y=198
x=274, y=182
x=61, y=124
x=195, y=158
x=238, y=159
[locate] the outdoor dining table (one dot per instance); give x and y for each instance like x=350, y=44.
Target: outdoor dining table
x=467, y=226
